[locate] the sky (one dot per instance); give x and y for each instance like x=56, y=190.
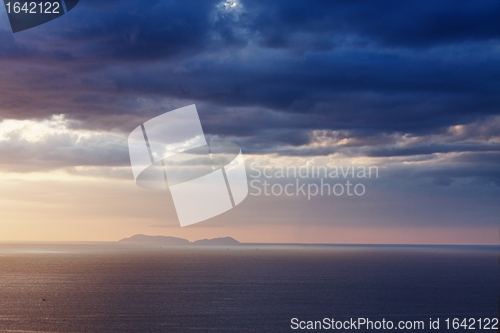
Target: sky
x=411, y=87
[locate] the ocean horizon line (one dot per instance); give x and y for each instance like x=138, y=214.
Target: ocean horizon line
x=240, y=244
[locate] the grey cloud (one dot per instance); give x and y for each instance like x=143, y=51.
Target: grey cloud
x=56, y=151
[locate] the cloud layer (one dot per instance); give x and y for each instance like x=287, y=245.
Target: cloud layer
x=409, y=80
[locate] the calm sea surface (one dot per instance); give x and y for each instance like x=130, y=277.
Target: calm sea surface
x=250, y=288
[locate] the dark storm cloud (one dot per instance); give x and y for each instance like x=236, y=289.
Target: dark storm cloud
x=267, y=74
x=387, y=23
x=136, y=30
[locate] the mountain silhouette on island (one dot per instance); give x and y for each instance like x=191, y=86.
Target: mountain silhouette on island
x=156, y=239
x=168, y=240
x=217, y=241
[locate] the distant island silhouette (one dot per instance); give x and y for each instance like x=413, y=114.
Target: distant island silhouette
x=217, y=241
x=168, y=240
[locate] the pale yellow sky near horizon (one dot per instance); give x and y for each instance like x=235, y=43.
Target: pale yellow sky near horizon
x=60, y=207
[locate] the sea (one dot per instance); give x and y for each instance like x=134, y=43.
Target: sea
x=111, y=287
